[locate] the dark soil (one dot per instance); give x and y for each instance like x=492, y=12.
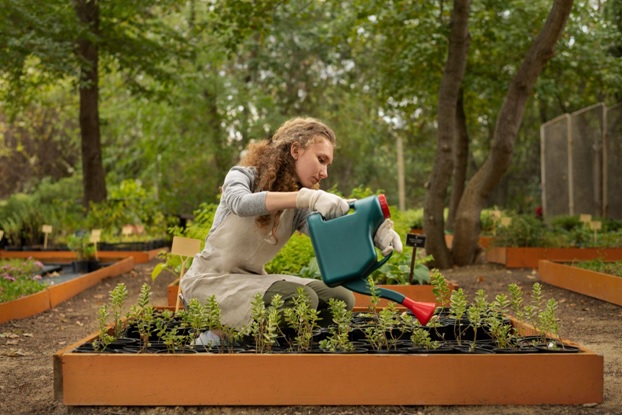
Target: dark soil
x=27, y=346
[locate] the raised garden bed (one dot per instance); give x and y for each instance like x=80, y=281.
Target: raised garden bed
x=139, y=256
x=583, y=281
x=130, y=379
x=528, y=257
x=420, y=293
x=58, y=293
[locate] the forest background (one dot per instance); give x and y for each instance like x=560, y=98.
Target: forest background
x=170, y=92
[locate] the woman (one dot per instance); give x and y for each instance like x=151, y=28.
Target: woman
x=264, y=201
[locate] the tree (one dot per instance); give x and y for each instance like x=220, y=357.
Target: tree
x=43, y=42
x=485, y=180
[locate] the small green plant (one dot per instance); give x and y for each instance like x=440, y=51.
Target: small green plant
x=118, y=296
x=499, y=329
x=457, y=311
x=168, y=334
x=80, y=244
x=339, y=338
x=548, y=322
x=171, y=263
x=302, y=318
x=420, y=338
x=476, y=313
x=264, y=326
x=143, y=316
x=104, y=338
x=440, y=289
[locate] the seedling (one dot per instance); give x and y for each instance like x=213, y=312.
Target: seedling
x=339, y=340
x=264, y=326
x=302, y=318
x=457, y=311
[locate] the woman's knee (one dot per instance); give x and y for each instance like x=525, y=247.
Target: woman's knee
x=325, y=293
x=289, y=291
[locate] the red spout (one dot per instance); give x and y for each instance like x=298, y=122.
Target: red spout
x=423, y=311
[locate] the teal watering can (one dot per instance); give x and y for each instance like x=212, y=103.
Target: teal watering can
x=345, y=251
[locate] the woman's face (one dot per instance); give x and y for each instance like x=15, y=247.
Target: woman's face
x=312, y=163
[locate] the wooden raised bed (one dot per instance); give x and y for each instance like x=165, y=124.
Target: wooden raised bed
x=422, y=293
x=139, y=257
x=329, y=379
x=529, y=257
x=583, y=281
x=58, y=293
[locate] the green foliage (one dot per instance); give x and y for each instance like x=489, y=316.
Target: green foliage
x=302, y=318
x=129, y=203
x=560, y=232
x=339, y=338
x=264, y=326
x=440, y=289
x=80, y=244
x=19, y=278
x=295, y=256
x=457, y=311
x=103, y=338
x=599, y=265
x=142, y=314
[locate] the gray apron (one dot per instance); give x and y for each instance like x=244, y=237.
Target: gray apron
x=231, y=266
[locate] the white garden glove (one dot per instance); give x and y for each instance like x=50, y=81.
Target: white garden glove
x=328, y=205
x=387, y=239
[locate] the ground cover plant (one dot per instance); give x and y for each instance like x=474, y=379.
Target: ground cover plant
x=19, y=278
x=611, y=268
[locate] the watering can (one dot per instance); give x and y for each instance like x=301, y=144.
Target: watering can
x=346, y=255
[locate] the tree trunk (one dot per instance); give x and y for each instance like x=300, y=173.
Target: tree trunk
x=94, y=182
x=509, y=119
x=434, y=203
x=461, y=159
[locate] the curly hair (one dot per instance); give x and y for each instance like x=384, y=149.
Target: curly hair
x=276, y=167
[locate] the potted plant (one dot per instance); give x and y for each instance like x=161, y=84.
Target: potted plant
x=86, y=254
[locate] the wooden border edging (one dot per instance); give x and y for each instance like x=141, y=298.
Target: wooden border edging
x=330, y=379
x=528, y=257
x=140, y=257
x=59, y=293
x=583, y=281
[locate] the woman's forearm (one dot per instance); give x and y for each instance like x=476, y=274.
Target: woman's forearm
x=276, y=201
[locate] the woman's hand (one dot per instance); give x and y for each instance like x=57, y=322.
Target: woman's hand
x=387, y=239
x=328, y=205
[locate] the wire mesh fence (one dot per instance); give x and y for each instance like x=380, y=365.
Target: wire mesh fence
x=581, y=163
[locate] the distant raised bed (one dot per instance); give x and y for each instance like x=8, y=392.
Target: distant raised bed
x=527, y=257
x=599, y=285
x=63, y=291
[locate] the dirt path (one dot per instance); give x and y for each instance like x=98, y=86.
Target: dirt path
x=27, y=346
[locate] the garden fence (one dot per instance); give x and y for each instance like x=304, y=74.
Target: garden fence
x=581, y=162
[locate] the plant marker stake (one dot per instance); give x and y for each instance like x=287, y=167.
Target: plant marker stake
x=46, y=228
x=416, y=241
x=184, y=247
x=95, y=236
x=595, y=226
x=127, y=230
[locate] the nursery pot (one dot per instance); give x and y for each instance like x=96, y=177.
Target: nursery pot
x=346, y=255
